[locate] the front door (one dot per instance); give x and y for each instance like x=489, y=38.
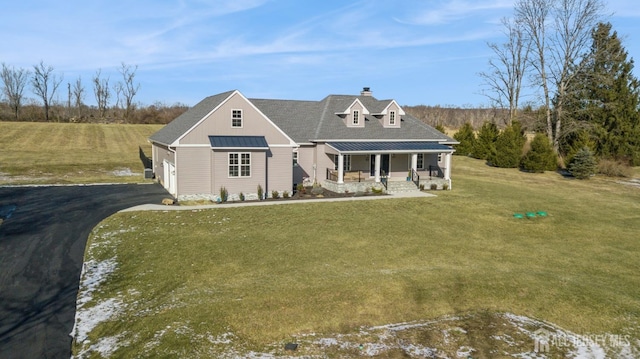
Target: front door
x=384, y=165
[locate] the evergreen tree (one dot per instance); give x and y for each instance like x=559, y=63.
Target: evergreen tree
x=467, y=139
x=441, y=128
x=583, y=165
x=541, y=156
x=485, y=143
x=605, y=99
x=508, y=148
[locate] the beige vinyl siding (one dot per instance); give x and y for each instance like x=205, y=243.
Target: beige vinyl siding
x=349, y=118
x=159, y=154
x=399, y=165
x=386, y=119
x=360, y=163
x=305, y=164
x=219, y=123
x=280, y=169
x=324, y=161
x=235, y=185
x=194, y=170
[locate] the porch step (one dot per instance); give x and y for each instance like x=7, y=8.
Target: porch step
x=401, y=187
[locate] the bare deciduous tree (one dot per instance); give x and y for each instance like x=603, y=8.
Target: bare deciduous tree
x=574, y=22
x=78, y=95
x=507, y=71
x=45, y=84
x=14, y=81
x=128, y=88
x=559, y=31
x=102, y=92
x=533, y=15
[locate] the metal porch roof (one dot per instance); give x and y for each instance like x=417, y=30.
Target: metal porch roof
x=390, y=147
x=239, y=142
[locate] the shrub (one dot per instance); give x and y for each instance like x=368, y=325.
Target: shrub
x=583, y=165
x=376, y=190
x=224, y=194
x=241, y=196
x=508, y=149
x=422, y=187
x=485, y=143
x=285, y=194
x=300, y=188
x=612, y=168
x=434, y=186
x=275, y=194
x=260, y=193
x=540, y=157
x=467, y=139
x=445, y=186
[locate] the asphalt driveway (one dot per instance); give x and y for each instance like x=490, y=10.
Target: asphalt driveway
x=43, y=235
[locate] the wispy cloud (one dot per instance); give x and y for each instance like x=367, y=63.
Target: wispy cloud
x=451, y=11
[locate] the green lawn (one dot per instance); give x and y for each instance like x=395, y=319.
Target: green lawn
x=71, y=152
x=232, y=280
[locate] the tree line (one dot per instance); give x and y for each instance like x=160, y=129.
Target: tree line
x=115, y=100
x=566, y=55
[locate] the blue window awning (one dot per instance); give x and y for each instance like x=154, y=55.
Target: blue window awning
x=238, y=143
x=389, y=147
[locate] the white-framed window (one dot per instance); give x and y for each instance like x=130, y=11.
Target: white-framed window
x=356, y=117
x=240, y=164
x=346, y=164
x=236, y=118
x=420, y=161
x=295, y=158
x=392, y=118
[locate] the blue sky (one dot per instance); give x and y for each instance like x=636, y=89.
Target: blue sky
x=415, y=51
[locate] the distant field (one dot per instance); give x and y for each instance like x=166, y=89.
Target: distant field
x=238, y=282
x=72, y=153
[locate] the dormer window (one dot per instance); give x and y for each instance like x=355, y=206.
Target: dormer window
x=392, y=118
x=356, y=117
x=236, y=118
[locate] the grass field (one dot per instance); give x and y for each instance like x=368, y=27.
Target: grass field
x=239, y=281
x=72, y=153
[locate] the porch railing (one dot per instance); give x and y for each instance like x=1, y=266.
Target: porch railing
x=415, y=177
x=436, y=171
x=348, y=176
x=384, y=179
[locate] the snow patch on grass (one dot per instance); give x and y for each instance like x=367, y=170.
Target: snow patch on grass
x=94, y=273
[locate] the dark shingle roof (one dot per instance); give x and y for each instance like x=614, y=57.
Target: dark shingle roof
x=176, y=128
x=255, y=142
x=307, y=121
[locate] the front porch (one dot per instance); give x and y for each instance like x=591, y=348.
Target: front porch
x=359, y=166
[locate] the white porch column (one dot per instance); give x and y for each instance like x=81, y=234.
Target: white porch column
x=340, y=168
x=377, y=167
x=447, y=164
x=414, y=161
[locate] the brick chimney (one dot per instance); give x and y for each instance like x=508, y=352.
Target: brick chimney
x=366, y=91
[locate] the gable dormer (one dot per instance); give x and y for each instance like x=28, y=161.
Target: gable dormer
x=391, y=115
x=354, y=115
